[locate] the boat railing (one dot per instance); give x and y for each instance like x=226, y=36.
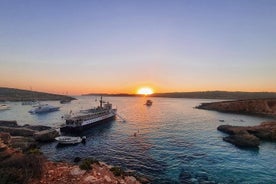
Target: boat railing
x=76, y=121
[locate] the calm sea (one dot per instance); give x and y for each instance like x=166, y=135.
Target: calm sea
x=174, y=142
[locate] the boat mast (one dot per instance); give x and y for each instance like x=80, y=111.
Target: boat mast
x=101, y=102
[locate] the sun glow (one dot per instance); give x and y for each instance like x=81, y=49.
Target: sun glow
x=145, y=91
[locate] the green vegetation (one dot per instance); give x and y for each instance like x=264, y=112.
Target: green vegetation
x=86, y=163
x=117, y=171
x=19, y=169
x=34, y=151
x=10, y=94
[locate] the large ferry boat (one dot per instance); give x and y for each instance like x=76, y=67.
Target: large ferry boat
x=101, y=114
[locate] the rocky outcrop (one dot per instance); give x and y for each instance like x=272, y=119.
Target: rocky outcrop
x=27, y=136
x=243, y=140
x=46, y=135
x=32, y=167
x=257, y=106
x=57, y=173
x=24, y=143
x=249, y=136
x=17, y=131
x=8, y=123
x=37, y=127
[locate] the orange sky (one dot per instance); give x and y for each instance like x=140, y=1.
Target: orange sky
x=116, y=47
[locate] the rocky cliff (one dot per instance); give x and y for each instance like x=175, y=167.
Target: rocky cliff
x=31, y=167
x=255, y=106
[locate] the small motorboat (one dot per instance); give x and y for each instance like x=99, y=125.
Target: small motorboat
x=148, y=103
x=4, y=107
x=70, y=139
x=43, y=108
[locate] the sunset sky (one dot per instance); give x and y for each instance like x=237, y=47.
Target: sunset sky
x=76, y=47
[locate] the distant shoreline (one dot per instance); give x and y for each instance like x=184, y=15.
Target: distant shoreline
x=200, y=95
x=16, y=95
x=12, y=94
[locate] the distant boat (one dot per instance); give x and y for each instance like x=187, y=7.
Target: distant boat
x=69, y=139
x=99, y=115
x=148, y=103
x=43, y=108
x=4, y=107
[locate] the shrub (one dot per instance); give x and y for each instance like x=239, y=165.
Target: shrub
x=19, y=169
x=34, y=151
x=117, y=171
x=86, y=163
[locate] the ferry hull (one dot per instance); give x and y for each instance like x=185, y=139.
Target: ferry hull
x=68, y=129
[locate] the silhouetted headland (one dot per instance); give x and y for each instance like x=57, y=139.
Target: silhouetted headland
x=12, y=94
x=201, y=95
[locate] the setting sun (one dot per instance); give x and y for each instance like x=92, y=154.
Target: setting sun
x=145, y=91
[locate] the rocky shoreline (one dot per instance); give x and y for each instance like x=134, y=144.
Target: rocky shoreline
x=32, y=167
x=265, y=107
x=246, y=136
x=22, y=162
x=26, y=136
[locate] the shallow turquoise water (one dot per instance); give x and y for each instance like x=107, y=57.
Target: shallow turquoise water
x=175, y=143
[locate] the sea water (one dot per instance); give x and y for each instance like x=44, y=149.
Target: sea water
x=169, y=142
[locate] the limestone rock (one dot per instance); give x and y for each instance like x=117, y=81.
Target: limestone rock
x=17, y=131
x=90, y=179
x=24, y=143
x=77, y=171
x=107, y=178
x=46, y=135
x=249, y=136
x=5, y=137
x=37, y=127
x=243, y=140
x=8, y=123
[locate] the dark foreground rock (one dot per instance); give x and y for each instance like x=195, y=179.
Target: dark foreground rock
x=257, y=106
x=249, y=136
x=8, y=123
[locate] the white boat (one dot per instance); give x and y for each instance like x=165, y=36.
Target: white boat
x=69, y=139
x=4, y=107
x=92, y=117
x=43, y=108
